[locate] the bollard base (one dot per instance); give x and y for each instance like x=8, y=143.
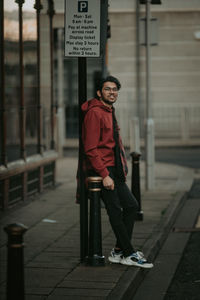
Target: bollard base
x=95, y=260
x=139, y=216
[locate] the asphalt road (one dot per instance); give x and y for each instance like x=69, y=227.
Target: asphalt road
x=186, y=282
x=184, y=156
x=187, y=156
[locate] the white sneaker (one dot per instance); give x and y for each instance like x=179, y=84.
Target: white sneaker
x=136, y=259
x=141, y=255
x=115, y=257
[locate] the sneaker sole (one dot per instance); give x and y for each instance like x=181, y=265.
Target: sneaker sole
x=145, y=266
x=112, y=260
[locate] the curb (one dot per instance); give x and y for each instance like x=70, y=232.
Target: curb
x=132, y=278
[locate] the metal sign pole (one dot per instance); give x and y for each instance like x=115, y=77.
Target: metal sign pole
x=84, y=36
x=149, y=126
x=150, y=176
x=82, y=96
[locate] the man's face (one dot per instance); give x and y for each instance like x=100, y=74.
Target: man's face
x=109, y=93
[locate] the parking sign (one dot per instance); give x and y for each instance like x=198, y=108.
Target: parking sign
x=82, y=6
x=82, y=28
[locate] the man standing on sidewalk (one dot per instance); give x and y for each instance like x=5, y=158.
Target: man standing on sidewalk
x=105, y=157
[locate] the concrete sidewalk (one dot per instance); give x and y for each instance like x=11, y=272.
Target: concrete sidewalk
x=52, y=255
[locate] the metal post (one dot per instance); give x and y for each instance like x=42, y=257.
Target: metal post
x=104, y=37
x=135, y=182
x=149, y=121
x=3, y=113
x=138, y=66
x=22, y=106
x=38, y=7
x=148, y=61
x=95, y=257
x=105, y=62
x=51, y=13
x=15, y=261
x=61, y=105
x=82, y=95
x=134, y=129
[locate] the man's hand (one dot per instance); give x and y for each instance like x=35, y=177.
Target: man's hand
x=108, y=183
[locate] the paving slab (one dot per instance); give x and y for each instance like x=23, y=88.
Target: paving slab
x=78, y=292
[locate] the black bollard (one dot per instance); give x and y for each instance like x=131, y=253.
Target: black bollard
x=95, y=257
x=135, y=182
x=15, y=261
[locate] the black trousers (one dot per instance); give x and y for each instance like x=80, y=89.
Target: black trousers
x=121, y=208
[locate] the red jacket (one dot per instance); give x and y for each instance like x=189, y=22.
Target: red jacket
x=97, y=136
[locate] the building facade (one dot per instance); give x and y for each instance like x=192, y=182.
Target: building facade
x=175, y=70
x=27, y=109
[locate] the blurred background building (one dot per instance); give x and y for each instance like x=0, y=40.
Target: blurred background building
x=175, y=60
x=27, y=108
x=39, y=97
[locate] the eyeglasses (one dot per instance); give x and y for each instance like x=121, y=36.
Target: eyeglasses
x=109, y=89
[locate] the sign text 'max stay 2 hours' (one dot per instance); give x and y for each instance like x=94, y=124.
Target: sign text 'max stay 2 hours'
x=82, y=28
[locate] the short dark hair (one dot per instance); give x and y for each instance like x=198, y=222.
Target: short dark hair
x=110, y=79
